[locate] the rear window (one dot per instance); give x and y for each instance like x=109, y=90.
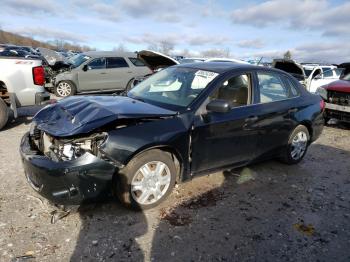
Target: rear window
x=116, y=62
x=136, y=61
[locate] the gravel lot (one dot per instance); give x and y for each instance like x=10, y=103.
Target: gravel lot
x=267, y=212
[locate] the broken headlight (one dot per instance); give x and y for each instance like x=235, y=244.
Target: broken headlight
x=70, y=149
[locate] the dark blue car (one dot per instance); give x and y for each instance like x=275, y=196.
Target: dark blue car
x=183, y=121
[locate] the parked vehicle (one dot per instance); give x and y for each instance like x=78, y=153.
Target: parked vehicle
x=192, y=60
x=21, y=84
x=337, y=99
x=220, y=115
x=231, y=60
x=320, y=75
x=311, y=76
x=99, y=72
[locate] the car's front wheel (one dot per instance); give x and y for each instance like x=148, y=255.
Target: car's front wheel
x=297, y=146
x=147, y=180
x=65, y=88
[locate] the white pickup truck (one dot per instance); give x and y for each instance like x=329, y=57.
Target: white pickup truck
x=21, y=84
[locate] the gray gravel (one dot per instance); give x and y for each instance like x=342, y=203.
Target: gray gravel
x=268, y=212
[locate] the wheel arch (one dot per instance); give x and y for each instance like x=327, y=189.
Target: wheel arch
x=308, y=125
x=175, y=154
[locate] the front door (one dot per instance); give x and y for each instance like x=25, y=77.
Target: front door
x=222, y=139
x=94, y=78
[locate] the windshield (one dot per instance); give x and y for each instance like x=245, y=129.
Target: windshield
x=77, y=60
x=307, y=71
x=173, y=88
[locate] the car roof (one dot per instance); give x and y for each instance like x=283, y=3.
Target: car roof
x=95, y=54
x=222, y=67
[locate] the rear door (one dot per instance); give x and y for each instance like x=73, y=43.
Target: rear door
x=94, y=78
x=277, y=102
x=222, y=139
x=118, y=73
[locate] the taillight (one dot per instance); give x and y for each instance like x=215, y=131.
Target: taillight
x=322, y=105
x=38, y=76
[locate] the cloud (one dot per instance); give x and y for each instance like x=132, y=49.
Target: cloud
x=251, y=43
x=50, y=34
x=315, y=15
x=30, y=6
x=175, y=39
x=328, y=52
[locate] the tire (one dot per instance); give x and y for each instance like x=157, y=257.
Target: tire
x=129, y=86
x=297, y=146
x=130, y=184
x=65, y=88
x=4, y=113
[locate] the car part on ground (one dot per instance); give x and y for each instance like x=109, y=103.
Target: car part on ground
x=24, y=88
x=185, y=120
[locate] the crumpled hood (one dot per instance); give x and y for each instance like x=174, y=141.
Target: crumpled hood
x=339, y=85
x=82, y=114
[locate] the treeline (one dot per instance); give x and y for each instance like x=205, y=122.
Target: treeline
x=15, y=39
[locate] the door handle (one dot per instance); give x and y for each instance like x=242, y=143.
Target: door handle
x=251, y=119
x=103, y=73
x=129, y=72
x=293, y=110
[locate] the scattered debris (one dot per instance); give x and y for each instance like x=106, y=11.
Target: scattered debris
x=246, y=175
x=176, y=219
x=57, y=215
x=308, y=230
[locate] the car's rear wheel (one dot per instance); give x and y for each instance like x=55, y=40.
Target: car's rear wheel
x=147, y=180
x=297, y=146
x=64, y=89
x=4, y=113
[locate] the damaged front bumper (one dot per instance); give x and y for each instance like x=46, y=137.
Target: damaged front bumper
x=66, y=182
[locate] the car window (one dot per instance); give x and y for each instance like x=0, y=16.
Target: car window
x=293, y=90
x=235, y=90
x=98, y=63
x=272, y=88
x=327, y=72
x=116, y=62
x=136, y=61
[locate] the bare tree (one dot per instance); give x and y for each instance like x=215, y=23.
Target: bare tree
x=287, y=55
x=120, y=48
x=166, y=47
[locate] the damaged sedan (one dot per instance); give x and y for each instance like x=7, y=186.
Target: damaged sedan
x=184, y=121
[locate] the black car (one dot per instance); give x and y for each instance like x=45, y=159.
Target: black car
x=183, y=121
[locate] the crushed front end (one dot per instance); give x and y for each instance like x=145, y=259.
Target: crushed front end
x=66, y=171
x=337, y=104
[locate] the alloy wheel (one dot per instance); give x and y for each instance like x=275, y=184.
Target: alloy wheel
x=64, y=89
x=150, y=183
x=299, y=144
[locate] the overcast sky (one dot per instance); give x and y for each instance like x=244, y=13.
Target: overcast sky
x=313, y=30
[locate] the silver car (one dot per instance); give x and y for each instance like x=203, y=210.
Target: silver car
x=99, y=72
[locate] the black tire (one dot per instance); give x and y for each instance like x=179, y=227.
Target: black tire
x=129, y=86
x=122, y=181
x=286, y=155
x=67, y=83
x=4, y=113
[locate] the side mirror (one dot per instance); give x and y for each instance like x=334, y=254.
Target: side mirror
x=219, y=106
x=85, y=68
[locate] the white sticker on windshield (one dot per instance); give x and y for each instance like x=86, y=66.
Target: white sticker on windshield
x=202, y=79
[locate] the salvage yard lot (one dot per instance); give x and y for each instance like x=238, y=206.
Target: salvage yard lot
x=270, y=212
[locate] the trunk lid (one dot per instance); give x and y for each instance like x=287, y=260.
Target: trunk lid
x=155, y=60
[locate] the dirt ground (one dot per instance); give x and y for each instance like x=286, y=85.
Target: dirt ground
x=267, y=212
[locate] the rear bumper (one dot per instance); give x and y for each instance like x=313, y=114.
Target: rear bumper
x=42, y=98
x=67, y=182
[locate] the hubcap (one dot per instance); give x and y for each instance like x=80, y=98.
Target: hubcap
x=299, y=145
x=150, y=182
x=64, y=89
